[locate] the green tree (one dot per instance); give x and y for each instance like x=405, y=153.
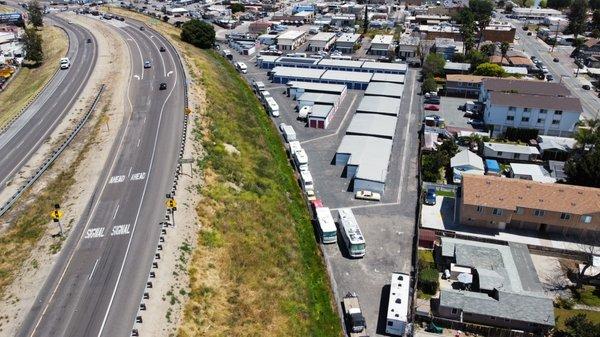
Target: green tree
x=596, y=19
x=577, y=17
x=199, y=33
x=429, y=84
x=475, y=57
x=366, y=19
x=544, y=3
x=449, y=149
x=35, y=13
x=434, y=64
x=431, y=165
x=504, y=46
x=466, y=19
x=558, y=4
x=33, y=46
x=579, y=326
x=595, y=4
x=488, y=49
x=482, y=10
x=237, y=7
x=489, y=69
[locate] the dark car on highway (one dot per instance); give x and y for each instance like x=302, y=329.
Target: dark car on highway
x=162, y=48
x=147, y=64
x=586, y=87
x=162, y=86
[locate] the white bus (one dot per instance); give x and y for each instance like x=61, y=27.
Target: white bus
x=301, y=160
x=327, y=228
x=353, y=237
x=398, y=305
x=241, y=67
x=272, y=106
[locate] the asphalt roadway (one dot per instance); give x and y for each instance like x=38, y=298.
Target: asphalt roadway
x=96, y=285
x=41, y=118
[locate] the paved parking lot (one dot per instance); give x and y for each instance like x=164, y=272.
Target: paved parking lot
x=449, y=110
x=388, y=226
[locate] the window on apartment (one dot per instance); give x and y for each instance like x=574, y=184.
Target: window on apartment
x=497, y=211
x=555, y=122
x=541, y=121
x=526, y=109
x=558, y=112
x=543, y=111
x=499, y=153
x=391, y=323
x=538, y=212
x=525, y=119
x=454, y=311
x=510, y=118
x=586, y=218
x=479, y=209
x=565, y=216
x=515, y=156
x=512, y=108
x=520, y=210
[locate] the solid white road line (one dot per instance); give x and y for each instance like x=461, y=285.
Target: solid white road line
x=116, y=211
x=406, y=141
x=93, y=269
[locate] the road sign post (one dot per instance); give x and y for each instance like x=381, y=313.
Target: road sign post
x=56, y=214
x=172, y=205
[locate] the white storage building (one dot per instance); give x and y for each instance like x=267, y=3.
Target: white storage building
x=320, y=116
x=374, y=125
x=297, y=88
x=391, y=78
x=386, y=89
x=379, y=105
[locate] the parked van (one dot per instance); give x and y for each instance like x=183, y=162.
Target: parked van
x=241, y=67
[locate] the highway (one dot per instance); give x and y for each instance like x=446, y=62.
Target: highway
x=96, y=285
x=24, y=137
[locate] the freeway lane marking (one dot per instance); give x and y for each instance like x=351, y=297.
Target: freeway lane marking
x=116, y=179
x=137, y=77
x=120, y=230
x=169, y=73
x=139, y=176
x=116, y=211
x=94, y=233
x=93, y=269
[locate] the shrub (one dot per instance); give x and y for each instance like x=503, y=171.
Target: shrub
x=199, y=33
x=426, y=260
x=429, y=281
x=564, y=303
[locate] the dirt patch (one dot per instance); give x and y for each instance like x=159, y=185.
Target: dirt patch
x=83, y=162
x=552, y=275
x=29, y=81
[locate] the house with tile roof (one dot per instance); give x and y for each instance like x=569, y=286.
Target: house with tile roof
x=506, y=204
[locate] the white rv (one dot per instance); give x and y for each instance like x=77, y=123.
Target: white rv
x=398, y=305
x=353, y=237
x=327, y=229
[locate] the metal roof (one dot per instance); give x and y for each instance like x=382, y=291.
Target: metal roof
x=370, y=154
x=391, y=78
x=380, y=105
x=346, y=76
x=383, y=66
x=317, y=97
x=306, y=73
x=348, y=38
x=385, y=89
x=323, y=36
x=291, y=35
x=372, y=125
x=511, y=148
x=320, y=111
x=324, y=87
x=328, y=63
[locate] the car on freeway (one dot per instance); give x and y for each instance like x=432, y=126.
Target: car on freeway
x=556, y=59
x=529, y=33
x=142, y=28
x=162, y=86
x=432, y=107
x=368, y=195
x=147, y=64
x=430, y=196
x=65, y=63
x=549, y=77
x=586, y=87
x=162, y=49
x=89, y=40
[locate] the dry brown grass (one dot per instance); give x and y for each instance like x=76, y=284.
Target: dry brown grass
x=29, y=81
x=257, y=270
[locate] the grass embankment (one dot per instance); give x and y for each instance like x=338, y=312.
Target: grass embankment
x=257, y=270
x=30, y=223
x=29, y=81
x=561, y=315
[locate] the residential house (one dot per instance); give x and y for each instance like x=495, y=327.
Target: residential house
x=408, y=46
x=291, y=40
x=510, y=151
x=381, y=45
x=555, y=148
x=466, y=162
x=446, y=47
x=260, y=27
x=323, y=41
x=499, y=32
x=456, y=68
x=590, y=48
x=463, y=85
x=346, y=42
x=503, y=203
x=530, y=172
x=547, y=107
x=501, y=287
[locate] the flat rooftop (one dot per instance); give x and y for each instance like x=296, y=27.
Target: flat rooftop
x=346, y=76
x=372, y=125
x=385, y=89
x=391, y=78
x=291, y=35
x=303, y=73
x=380, y=105
x=370, y=154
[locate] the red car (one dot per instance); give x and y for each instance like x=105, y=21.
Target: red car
x=433, y=107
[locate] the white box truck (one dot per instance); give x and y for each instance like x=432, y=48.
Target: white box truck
x=301, y=160
x=272, y=106
x=288, y=133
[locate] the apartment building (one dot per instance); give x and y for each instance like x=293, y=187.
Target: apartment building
x=499, y=32
x=345, y=42
x=545, y=106
x=323, y=41
x=463, y=85
x=408, y=46
x=504, y=203
x=381, y=45
x=291, y=40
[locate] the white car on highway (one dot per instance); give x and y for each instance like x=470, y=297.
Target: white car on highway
x=368, y=195
x=65, y=63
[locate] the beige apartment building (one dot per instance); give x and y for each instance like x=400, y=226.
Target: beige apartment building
x=505, y=203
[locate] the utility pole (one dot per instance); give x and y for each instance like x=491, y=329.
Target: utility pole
x=555, y=37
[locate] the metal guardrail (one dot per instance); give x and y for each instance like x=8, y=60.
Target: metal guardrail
x=28, y=104
x=55, y=154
